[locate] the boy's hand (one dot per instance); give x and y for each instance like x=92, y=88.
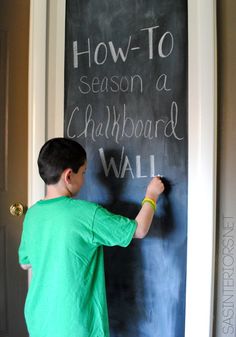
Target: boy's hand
x=146, y=213
x=154, y=188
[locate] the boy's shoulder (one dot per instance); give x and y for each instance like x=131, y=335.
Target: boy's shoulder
x=62, y=202
x=65, y=208
x=83, y=203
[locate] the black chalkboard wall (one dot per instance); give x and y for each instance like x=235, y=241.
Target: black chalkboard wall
x=126, y=102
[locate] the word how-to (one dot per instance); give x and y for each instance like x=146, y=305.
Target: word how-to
x=103, y=51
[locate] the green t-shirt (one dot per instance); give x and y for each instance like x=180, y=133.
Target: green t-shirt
x=62, y=239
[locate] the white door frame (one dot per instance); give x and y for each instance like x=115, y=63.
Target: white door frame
x=202, y=109
x=202, y=156
x=37, y=95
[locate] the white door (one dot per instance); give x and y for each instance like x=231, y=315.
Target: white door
x=14, y=46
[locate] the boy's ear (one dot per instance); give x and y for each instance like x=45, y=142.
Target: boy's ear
x=67, y=175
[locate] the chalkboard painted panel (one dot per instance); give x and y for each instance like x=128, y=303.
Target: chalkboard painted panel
x=126, y=102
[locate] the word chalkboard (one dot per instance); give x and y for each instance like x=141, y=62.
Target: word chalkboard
x=126, y=103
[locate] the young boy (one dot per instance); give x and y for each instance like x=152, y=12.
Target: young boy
x=62, y=242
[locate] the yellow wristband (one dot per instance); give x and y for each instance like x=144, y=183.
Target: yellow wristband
x=151, y=202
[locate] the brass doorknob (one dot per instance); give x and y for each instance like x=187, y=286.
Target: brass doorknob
x=17, y=209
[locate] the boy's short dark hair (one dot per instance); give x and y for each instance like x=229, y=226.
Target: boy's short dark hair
x=58, y=154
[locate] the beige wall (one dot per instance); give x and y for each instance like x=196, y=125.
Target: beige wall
x=225, y=301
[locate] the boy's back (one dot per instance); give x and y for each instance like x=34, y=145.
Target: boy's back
x=62, y=241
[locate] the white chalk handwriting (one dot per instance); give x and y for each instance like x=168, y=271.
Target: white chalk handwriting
x=118, y=125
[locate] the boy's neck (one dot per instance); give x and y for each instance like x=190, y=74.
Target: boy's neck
x=56, y=191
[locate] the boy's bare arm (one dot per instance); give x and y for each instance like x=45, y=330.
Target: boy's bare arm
x=25, y=266
x=145, y=215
